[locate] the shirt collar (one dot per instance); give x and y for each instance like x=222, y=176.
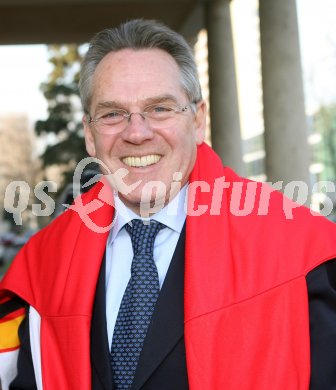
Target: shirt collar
x=173, y=215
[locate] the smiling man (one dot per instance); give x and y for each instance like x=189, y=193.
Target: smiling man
x=141, y=118
x=152, y=280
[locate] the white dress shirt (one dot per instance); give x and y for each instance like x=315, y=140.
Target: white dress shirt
x=119, y=251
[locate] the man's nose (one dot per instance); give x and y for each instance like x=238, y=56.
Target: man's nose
x=137, y=129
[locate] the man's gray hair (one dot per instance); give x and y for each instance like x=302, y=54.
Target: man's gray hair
x=140, y=34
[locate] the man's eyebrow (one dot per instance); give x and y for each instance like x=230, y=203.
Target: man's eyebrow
x=108, y=104
x=160, y=99
x=145, y=102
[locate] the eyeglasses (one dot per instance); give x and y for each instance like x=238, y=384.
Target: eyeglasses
x=115, y=120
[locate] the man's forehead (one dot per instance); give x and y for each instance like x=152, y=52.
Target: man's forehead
x=127, y=68
x=137, y=76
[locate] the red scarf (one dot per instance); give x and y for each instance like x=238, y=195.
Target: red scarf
x=246, y=310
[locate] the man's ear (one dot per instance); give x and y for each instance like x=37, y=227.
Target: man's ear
x=200, y=121
x=89, y=138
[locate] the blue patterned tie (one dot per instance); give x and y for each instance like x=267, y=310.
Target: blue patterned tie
x=137, y=304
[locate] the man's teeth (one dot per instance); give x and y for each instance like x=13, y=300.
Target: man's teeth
x=142, y=161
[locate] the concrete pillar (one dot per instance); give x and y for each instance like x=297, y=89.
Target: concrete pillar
x=224, y=112
x=287, y=151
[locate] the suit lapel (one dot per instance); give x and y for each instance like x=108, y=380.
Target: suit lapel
x=167, y=326
x=101, y=368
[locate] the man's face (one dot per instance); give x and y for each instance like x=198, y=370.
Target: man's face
x=133, y=80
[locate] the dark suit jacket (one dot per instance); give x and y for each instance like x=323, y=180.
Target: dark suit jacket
x=162, y=364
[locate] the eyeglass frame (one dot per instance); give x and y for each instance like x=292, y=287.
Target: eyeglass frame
x=127, y=115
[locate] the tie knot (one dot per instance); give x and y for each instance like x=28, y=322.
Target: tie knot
x=143, y=235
